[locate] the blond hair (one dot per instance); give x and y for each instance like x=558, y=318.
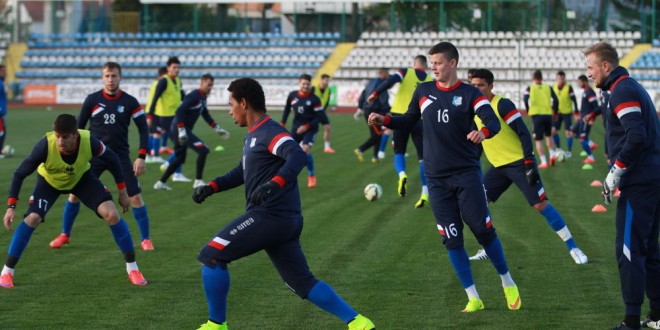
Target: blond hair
x=605, y=52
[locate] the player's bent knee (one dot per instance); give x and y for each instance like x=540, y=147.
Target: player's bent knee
x=137, y=201
x=33, y=220
x=485, y=237
x=208, y=256
x=73, y=198
x=108, y=212
x=540, y=206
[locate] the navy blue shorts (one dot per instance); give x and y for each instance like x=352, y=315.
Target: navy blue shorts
x=253, y=232
x=194, y=143
x=305, y=138
x=155, y=127
x=400, y=140
x=132, y=184
x=581, y=129
x=498, y=179
x=89, y=190
x=567, y=120
x=460, y=198
x=323, y=118
x=542, y=126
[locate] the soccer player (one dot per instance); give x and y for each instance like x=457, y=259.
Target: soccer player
x=633, y=139
x=581, y=128
x=273, y=221
x=62, y=160
x=380, y=106
x=162, y=71
x=193, y=105
x=567, y=108
x=541, y=103
x=307, y=112
x=409, y=79
x=451, y=158
x=512, y=155
x=322, y=91
x=3, y=108
x=109, y=113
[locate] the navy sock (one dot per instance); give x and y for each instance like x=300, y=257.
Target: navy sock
x=122, y=236
x=216, y=289
x=142, y=219
x=399, y=163
x=461, y=262
x=569, y=143
x=557, y=140
x=155, y=147
x=585, y=146
x=20, y=240
x=557, y=223
x=310, y=165
x=383, y=142
x=164, y=140
x=69, y=216
x=496, y=254
x=323, y=296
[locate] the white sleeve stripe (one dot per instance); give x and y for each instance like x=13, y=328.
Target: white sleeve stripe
x=480, y=104
x=399, y=74
x=280, y=142
x=512, y=118
x=138, y=114
x=626, y=111
x=96, y=112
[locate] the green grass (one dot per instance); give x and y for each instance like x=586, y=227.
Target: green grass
x=385, y=258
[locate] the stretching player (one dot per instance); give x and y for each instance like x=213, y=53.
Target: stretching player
x=541, y=103
x=272, y=221
x=581, y=128
x=381, y=106
x=62, y=160
x=109, y=113
x=322, y=91
x=193, y=105
x=409, y=79
x=633, y=141
x=448, y=107
x=567, y=107
x=511, y=153
x=307, y=111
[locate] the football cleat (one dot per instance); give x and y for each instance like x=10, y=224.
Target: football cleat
x=422, y=201
x=165, y=150
x=381, y=155
x=198, y=183
x=568, y=154
x=60, y=240
x=7, y=281
x=361, y=323
x=147, y=245
x=403, y=180
x=593, y=146
x=311, y=181
x=179, y=177
x=154, y=159
x=161, y=186
x=579, y=256
x=359, y=155
x=480, y=255
x=213, y=326
x=512, y=297
x=473, y=305
x=136, y=277
x=329, y=150
x=553, y=161
x=375, y=160
x=164, y=166
x=543, y=165
x=648, y=323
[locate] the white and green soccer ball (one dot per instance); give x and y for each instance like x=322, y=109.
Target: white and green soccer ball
x=373, y=192
x=8, y=151
x=560, y=155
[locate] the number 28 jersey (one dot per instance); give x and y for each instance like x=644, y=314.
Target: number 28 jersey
x=448, y=117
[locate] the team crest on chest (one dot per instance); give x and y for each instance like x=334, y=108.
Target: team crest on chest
x=120, y=109
x=253, y=142
x=308, y=102
x=457, y=100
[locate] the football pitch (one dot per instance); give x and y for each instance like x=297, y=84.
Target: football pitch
x=385, y=258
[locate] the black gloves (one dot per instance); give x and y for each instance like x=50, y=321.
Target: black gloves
x=201, y=193
x=263, y=192
x=531, y=174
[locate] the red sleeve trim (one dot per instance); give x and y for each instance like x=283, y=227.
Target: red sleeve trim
x=620, y=164
x=374, y=94
x=279, y=180
x=626, y=105
x=485, y=131
x=529, y=161
x=121, y=185
x=150, y=117
x=276, y=140
x=307, y=126
x=142, y=151
x=12, y=201
x=138, y=109
x=214, y=186
x=387, y=120
x=212, y=124
x=180, y=124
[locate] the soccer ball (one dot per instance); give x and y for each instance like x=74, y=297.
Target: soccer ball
x=373, y=192
x=560, y=155
x=8, y=151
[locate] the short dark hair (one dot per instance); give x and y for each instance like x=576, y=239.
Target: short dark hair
x=112, y=65
x=250, y=90
x=583, y=78
x=421, y=59
x=162, y=70
x=305, y=76
x=447, y=49
x=207, y=76
x=173, y=60
x=65, y=123
x=484, y=74
x=561, y=73
x=537, y=75
x=325, y=75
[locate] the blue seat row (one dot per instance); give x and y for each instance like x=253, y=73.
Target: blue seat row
x=184, y=36
x=180, y=44
x=149, y=74
x=156, y=64
x=141, y=53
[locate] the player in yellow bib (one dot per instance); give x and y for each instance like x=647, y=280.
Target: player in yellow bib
x=541, y=103
x=62, y=160
x=322, y=91
x=408, y=78
x=512, y=156
x=567, y=110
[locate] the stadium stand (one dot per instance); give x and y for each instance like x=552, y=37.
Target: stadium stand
x=511, y=56
x=647, y=67
x=77, y=56
x=5, y=37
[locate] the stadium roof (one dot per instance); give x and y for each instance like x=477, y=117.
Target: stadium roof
x=147, y=2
